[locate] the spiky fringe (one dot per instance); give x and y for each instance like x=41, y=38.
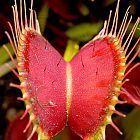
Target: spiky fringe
x=21, y=27
x=122, y=47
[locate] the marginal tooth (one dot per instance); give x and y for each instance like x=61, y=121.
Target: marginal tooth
x=21, y=68
x=116, y=39
x=110, y=39
x=23, y=37
x=32, y=133
x=23, y=74
x=20, y=99
x=22, y=47
x=20, y=54
x=27, y=127
x=27, y=28
x=122, y=63
x=123, y=59
x=114, y=100
x=121, y=74
x=15, y=85
x=28, y=107
x=116, y=128
x=21, y=64
x=117, y=90
x=32, y=101
x=21, y=58
x=111, y=107
x=42, y=135
x=118, y=82
x=122, y=102
x=121, y=51
x=108, y=119
x=116, y=44
x=24, y=34
x=25, y=95
x=25, y=112
x=32, y=117
x=23, y=84
x=24, y=31
x=119, y=113
x=21, y=41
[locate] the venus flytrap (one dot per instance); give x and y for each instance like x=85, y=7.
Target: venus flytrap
x=81, y=93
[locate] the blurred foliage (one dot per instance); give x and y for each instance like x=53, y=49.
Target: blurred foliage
x=84, y=9
x=131, y=125
x=42, y=17
x=4, y=55
x=137, y=33
x=4, y=69
x=84, y=31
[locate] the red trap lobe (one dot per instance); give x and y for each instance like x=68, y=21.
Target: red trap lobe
x=93, y=72
x=45, y=83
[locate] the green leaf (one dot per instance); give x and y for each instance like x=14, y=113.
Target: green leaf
x=42, y=17
x=84, y=31
x=84, y=9
x=71, y=50
x=137, y=33
x=4, y=55
x=131, y=125
x=4, y=69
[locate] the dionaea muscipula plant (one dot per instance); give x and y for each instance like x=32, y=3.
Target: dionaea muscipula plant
x=81, y=93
